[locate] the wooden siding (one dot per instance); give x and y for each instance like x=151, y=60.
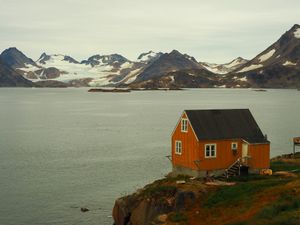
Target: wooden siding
x=259, y=156
x=189, y=146
x=224, y=154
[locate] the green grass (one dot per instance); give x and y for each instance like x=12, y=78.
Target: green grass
x=179, y=177
x=237, y=223
x=286, y=166
x=284, y=211
x=250, y=177
x=177, y=217
x=160, y=190
x=241, y=192
x=285, y=203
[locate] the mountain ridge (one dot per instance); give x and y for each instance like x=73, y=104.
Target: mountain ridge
x=277, y=66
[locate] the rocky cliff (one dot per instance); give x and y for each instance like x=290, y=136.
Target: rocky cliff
x=248, y=200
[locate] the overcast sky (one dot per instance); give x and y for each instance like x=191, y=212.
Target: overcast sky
x=210, y=30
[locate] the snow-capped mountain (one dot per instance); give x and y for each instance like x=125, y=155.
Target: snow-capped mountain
x=97, y=70
x=166, y=63
x=277, y=66
x=101, y=70
x=148, y=57
x=112, y=60
x=224, y=68
x=285, y=51
x=44, y=58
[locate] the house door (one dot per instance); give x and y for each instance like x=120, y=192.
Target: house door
x=245, y=153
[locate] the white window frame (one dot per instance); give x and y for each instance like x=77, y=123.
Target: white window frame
x=234, y=144
x=184, y=125
x=178, y=147
x=210, y=150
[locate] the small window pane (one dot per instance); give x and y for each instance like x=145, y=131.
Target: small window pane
x=210, y=150
x=178, y=147
x=207, y=152
x=184, y=125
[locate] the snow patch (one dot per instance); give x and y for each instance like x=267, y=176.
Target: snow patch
x=224, y=68
x=214, y=68
x=147, y=56
x=297, y=33
x=266, y=56
x=29, y=68
x=240, y=78
x=235, y=63
x=251, y=67
x=127, y=65
x=172, y=78
x=289, y=63
x=98, y=73
x=243, y=79
x=132, y=76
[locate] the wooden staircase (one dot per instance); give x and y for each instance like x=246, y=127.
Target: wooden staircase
x=233, y=170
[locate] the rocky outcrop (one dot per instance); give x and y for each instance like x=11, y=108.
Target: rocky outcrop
x=248, y=199
x=153, y=203
x=49, y=73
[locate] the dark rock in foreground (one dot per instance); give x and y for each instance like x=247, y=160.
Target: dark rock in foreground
x=108, y=90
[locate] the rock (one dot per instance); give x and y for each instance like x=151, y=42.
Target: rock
x=123, y=209
x=266, y=172
x=83, y=209
x=121, y=212
x=146, y=212
x=162, y=218
x=184, y=199
x=180, y=182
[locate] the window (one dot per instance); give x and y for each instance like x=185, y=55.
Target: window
x=178, y=147
x=210, y=151
x=234, y=145
x=184, y=125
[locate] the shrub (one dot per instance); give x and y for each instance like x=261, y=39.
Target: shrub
x=286, y=166
x=241, y=192
x=177, y=217
x=160, y=190
x=285, y=203
x=250, y=177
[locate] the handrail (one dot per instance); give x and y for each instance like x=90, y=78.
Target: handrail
x=238, y=160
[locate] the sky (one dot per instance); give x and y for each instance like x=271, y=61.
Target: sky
x=210, y=30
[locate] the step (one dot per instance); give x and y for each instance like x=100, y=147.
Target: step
x=233, y=171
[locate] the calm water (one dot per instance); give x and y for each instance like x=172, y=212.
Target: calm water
x=61, y=149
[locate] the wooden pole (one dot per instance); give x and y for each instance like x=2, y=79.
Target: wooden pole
x=294, y=150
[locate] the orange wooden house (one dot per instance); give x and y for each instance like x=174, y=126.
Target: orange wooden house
x=215, y=142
